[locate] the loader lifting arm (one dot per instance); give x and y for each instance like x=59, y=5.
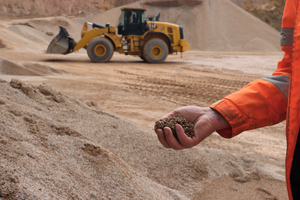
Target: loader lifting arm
x=64, y=44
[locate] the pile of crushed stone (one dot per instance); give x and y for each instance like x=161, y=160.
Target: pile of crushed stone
x=54, y=146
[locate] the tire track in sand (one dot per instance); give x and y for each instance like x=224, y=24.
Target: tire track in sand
x=187, y=88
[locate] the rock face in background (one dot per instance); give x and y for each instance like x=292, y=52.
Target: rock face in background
x=269, y=11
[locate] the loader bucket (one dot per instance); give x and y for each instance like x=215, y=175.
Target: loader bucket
x=61, y=43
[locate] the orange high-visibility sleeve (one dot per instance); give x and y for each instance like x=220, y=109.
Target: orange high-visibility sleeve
x=258, y=104
x=261, y=103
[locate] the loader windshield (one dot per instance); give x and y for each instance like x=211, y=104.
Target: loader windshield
x=132, y=22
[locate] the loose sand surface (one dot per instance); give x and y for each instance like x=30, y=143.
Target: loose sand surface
x=73, y=129
x=133, y=95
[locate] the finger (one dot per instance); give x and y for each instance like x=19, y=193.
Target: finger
x=155, y=128
x=184, y=139
x=161, y=138
x=172, y=141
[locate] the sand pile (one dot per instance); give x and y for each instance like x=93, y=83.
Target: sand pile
x=8, y=67
x=44, y=156
x=35, y=34
x=55, y=146
x=218, y=25
x=51, y=23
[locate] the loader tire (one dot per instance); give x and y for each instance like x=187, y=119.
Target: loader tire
x=100, y=50
x=155, y=51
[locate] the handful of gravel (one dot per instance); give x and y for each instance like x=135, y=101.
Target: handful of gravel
x=187, y=126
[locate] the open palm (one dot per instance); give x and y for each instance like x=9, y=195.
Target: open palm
x=205, y=119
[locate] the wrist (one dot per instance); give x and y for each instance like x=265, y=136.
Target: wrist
x=218, y=121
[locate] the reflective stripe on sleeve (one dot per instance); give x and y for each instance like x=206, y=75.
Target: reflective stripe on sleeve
x=281, y=82
x=286, y=36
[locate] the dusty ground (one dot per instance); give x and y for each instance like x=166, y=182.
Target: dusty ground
x=144, y=92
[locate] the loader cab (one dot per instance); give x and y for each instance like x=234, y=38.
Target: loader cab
x=132, y=21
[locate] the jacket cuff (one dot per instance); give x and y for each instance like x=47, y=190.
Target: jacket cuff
x=236, y=120
x=225, y=133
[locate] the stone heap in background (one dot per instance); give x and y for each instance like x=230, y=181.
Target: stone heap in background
x=269, y=11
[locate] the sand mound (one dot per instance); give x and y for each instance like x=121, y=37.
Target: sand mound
x=37, y=30
x=42, y=157
x=55, y=146
x=30, y=34
x=24, y=38
x=8, y=67
x=51, y=23
x=35, y=34
x=218, y=25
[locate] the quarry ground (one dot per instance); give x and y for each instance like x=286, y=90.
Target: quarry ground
x=145, y=92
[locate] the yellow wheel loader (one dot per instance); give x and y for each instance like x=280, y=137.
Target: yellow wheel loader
x=148, y=38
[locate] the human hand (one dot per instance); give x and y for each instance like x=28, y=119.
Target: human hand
x=205, y=119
